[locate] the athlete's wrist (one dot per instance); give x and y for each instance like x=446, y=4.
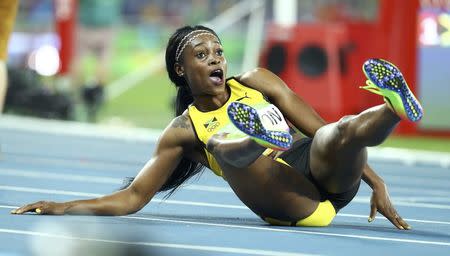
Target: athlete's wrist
x=378, y=185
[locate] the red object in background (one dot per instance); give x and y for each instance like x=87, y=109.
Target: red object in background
x=65, y=20
x=347, y=44
x=308, y=58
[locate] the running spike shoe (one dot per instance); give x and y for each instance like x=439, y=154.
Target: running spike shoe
x=385, y=79
x=265, y=125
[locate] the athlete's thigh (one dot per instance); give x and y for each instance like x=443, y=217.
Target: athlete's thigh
x=272, y=189
x=335, y=164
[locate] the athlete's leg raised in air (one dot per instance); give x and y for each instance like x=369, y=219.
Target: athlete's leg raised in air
x=338, y=152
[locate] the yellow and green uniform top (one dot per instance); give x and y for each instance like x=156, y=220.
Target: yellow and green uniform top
x=206, y=124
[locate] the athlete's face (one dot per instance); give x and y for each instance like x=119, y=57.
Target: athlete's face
x=204, y=65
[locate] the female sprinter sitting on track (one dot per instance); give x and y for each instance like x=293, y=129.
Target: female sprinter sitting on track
x=284, y=176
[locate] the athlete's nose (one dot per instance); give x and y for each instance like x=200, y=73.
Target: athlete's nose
x=214, y=60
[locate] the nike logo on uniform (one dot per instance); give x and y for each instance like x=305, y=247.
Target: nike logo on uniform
x=245, y=97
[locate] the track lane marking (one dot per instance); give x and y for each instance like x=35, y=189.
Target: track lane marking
x=193, y=203
x=284, y=230
x=117, y=181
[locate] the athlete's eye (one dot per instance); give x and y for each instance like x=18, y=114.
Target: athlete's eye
x=200, y=55
x=219, y=52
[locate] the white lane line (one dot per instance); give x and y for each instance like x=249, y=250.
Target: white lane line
x=245, y=208
x=58, y=176
x=364, y=200
x=383, y=218
x=293, y=230
x=92, y=164
x=83, y=194
x=178, y=202
x=409, y=190
x=208, y=188
x=339, y=214
x=430, y=181
x=358, y=199
x=438, y=195
x=412, y=199
x=400, y=201
x=95, y=179
x=220, y=249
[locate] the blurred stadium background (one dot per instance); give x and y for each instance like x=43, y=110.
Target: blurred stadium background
x=316, y=46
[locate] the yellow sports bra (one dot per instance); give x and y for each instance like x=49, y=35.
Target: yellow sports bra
x=206, y=124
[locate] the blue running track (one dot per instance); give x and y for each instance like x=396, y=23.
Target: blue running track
x=202, y=218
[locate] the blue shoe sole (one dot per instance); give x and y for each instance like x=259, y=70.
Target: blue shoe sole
x=246, y=119
x=386, y=75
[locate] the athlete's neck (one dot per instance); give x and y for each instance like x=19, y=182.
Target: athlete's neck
x=206, y=103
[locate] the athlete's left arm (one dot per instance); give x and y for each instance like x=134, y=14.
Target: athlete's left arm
x=293, y=107
x=380, y=200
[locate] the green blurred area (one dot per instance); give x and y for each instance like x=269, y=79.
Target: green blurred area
x=149, y=103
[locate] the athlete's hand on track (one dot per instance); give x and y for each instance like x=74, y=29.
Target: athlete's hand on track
x=381, y=202
x=42, y=207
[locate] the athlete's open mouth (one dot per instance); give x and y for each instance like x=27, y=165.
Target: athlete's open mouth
x=217, y=76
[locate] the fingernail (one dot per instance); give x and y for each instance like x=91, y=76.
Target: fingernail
x=38, y=211
x=402, y=228
x=13, y=211
x=369, y=219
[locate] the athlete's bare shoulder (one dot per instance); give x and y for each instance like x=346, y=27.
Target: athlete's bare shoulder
x=181, y=122
x=181, y=130
x=262, y=80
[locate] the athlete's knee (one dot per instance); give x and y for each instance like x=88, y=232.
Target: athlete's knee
x=346, y=130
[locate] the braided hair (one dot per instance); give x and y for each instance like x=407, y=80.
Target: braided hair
x=186, y=168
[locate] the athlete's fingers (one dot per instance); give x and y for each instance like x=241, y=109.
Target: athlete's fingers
x=373, y=212
x=27, y=208
x=393, y=218
x=403, y=223
x=21, y=210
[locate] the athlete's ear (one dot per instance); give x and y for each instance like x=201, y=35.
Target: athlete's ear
x=179, y=69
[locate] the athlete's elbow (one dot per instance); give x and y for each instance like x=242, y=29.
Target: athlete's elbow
x=224, y=155
x=134, y=203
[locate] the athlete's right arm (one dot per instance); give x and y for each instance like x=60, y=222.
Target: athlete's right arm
x=168, y=153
